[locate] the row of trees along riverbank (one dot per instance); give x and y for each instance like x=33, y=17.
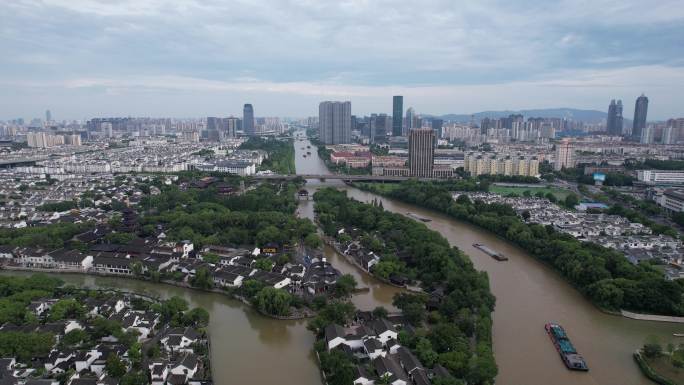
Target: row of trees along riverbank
x=603, y=275
x=454, y=321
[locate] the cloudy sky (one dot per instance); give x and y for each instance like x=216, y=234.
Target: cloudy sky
x=191, y=58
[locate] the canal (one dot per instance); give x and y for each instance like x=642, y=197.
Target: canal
x=251, y=349
x=529, y=294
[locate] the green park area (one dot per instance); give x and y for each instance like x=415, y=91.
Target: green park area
x=559, y=193
x=664, y=364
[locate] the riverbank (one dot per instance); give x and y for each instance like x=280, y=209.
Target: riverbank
x=307, y=313
x=651, y=317
x=650, y=372
x=336, y=246
x=592, y=281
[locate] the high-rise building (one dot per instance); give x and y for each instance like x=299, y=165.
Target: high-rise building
x=73, y=139
x=564, y=155
x=230, y=126
x=107, y=129
x=437, y=126
x=668, y=135
x=397, y=115
x=334, y=119
x=410, y=119
x=48, y=116
x=248, y=120
x=614, y=123
x=380, y=125
x=646, y=135
x=421, y=152
x=640, y=112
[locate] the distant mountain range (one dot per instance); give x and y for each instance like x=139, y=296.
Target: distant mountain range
x=588, y=116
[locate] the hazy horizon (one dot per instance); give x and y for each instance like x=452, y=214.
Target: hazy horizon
x=88, y=58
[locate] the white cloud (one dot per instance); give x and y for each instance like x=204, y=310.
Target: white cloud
x=489, y=50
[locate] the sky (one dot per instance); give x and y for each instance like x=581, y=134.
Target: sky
x=193, y=58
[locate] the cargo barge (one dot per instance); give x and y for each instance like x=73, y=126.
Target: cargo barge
x=414, y=216
x=494, y=254
x=571, y=359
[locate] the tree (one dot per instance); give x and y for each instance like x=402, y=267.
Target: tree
x=66, y=308
x=337, y=312
x=134, y=378
x=273, y=301
x=571, y=200
x=75, y=337
x=25, y=346
x=198, y=316
x=153, y=351
x=312, y=241
x=345, y=286
x=551, y=197
x=137, y=268
x=652, y=347
x=338, y=368
x=135, y=354
x=425, y=353
x=202, y=279
x=264, y=264
x=210, y=258
x=251, y=288
x=526, y=215
x=115, y=367
x=172, y=306
x=380, y=312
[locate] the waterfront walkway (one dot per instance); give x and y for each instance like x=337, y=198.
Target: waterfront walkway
x=651, y=317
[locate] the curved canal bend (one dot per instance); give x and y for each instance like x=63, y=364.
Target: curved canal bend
x=528, y=294
x=250, y=348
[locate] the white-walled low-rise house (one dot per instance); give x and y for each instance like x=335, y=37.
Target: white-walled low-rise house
x=112, y=265
x=6, y=254
x=184, y=247
x=373, y=348
x=38, y=307
x=334, y=336
x=384, y=330
x=227, y=279
x=180, y=339
x=158, y=372
x=71, y=260
x=39, y=258
x=72, y=325
x=186, y=366
x=84, y=359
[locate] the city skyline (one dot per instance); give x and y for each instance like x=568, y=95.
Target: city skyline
x=153, y=58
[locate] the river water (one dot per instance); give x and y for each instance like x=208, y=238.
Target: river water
x=251, y=349
x=529, y=294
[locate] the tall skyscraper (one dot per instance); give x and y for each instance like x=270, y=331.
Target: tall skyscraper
x=230, y=126
x=380, y=125
x=437, y=126
x=564, y=155
x=48, y=116
x=334, y=119
x=248, y=120
x=410, y=119
x=640, y=112
x=421, y=152
x=614, y=124
x=397, y=115
x=646, y=136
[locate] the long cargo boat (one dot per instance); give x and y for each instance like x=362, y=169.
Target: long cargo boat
x=494, y=254
x=571, y=358
x=418, y=217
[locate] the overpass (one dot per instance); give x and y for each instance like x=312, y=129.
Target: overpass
x=344, y=177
